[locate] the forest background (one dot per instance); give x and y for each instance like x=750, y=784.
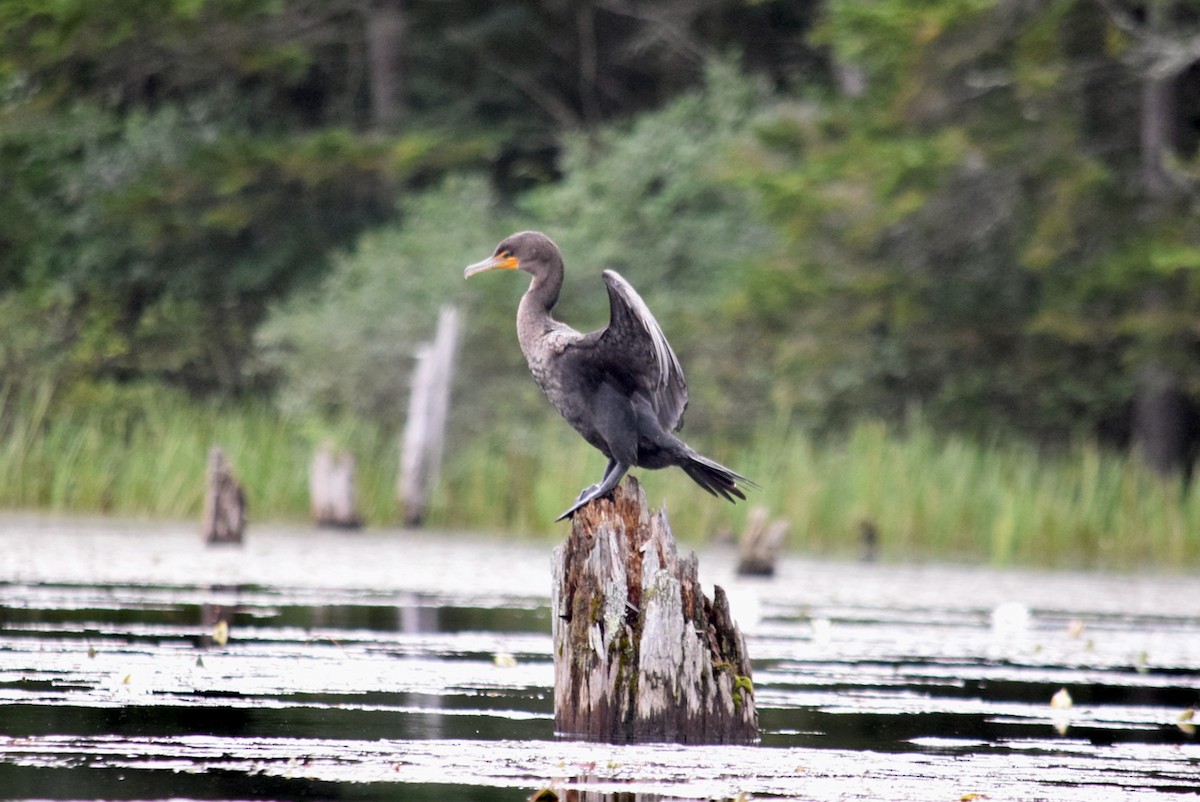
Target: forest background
x=932, y=268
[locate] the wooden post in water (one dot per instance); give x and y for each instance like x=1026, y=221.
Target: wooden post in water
x=640, y=654
x=761, y=542
x=224, y=502
x=331, y=489
x=428, y=407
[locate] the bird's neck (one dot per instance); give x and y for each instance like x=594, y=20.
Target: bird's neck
x=543, y=291
x=533, y=315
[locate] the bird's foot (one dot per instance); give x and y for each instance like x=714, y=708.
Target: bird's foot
x=612, y=477
x=585, y=497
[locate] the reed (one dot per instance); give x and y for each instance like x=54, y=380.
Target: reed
x=947, y=497
x=144, y=453
x=928, y=496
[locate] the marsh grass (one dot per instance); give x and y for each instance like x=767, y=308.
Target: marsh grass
x=951, y=498
x=928, y=496
x=144, y=453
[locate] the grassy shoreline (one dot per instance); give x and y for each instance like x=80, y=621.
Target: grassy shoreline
x=929, y=496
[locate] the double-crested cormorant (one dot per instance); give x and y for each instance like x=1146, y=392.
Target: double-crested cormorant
x=621, y=387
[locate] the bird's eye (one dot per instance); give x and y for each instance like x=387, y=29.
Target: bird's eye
x=504, y=254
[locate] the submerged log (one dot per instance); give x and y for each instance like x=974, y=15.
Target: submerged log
x=331, y=489
x=640, y=654
x=761, y=542
x=224, y=502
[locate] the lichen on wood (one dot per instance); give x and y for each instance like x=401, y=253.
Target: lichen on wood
x=640, y=653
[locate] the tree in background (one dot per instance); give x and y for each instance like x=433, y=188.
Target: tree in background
x=971, y=227
x=652, y=200
x=984, y=209
x=1161, y=47
x=171, y=168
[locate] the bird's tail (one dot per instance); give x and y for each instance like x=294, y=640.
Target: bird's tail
x=716, y=478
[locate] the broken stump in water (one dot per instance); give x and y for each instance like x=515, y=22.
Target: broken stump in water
x=640, y=654
x=331, y=489
x=224, y=502
x=760, y=544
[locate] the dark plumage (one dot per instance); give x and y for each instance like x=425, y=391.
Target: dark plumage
x=621, y=387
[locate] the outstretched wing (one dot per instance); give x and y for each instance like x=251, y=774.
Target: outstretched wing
x=634, y=344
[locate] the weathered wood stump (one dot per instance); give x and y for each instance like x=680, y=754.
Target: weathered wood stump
x=224, y=502
x=331, y=489
x=761, y=542
x=425, y=426
x=640, y=654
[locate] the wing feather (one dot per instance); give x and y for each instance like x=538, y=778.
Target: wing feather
x=635, y=341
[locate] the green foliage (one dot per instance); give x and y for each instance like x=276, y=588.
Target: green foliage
x=174, y=240
x=167, y=177
x=172, y=169
x=658, y=202
x=146, y=54
x=347, y=344
x=653, y=201
x=142, y=450
x=885, y=39
x=171, y=244
x=970, y=235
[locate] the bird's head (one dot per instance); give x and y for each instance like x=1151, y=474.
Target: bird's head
x=531, y=251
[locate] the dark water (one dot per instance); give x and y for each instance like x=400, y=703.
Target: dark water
x=392, y=665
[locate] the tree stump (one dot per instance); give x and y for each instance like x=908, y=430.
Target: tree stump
x=425, y=426
x=761, y=542
x=224, y=502
x=640, y=654
x=331, y=489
